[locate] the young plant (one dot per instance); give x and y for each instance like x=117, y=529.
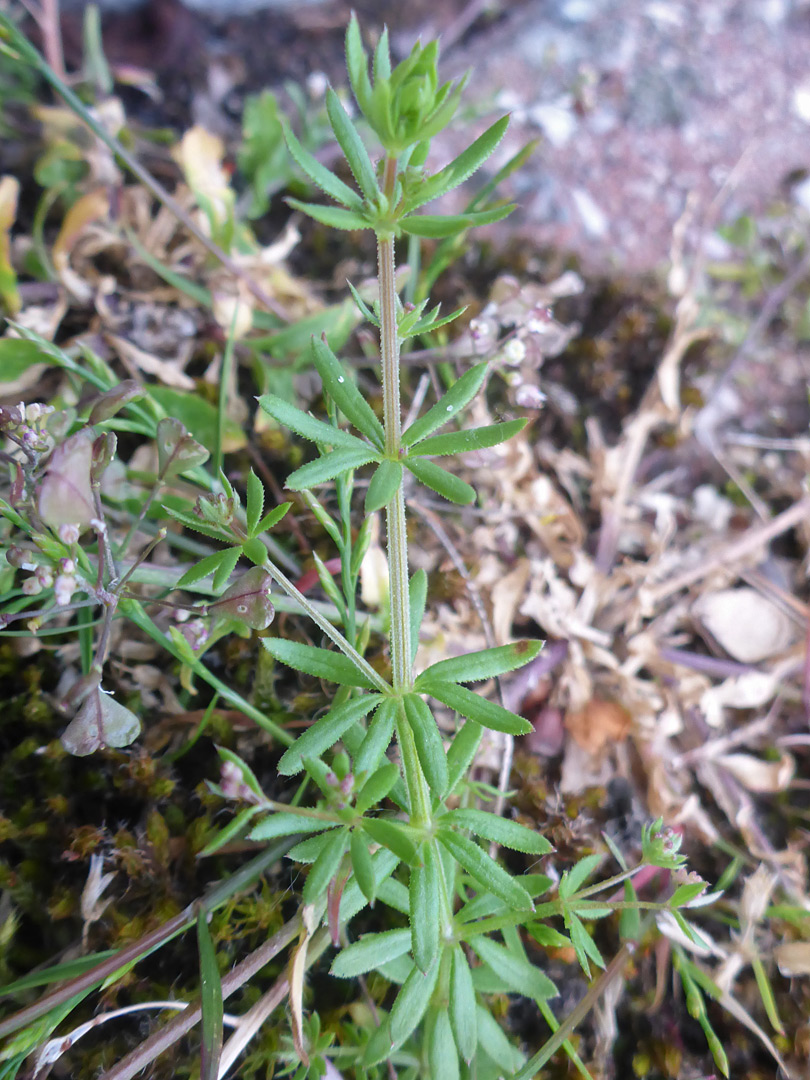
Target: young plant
x=394, y=822
x=397, y=826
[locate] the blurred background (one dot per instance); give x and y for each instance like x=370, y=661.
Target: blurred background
x=640, y=107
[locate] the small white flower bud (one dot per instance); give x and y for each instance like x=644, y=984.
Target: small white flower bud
x=68, y=534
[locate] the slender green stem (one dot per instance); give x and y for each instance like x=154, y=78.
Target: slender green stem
x=395, y=511
x=418, y=794
x=333, y=634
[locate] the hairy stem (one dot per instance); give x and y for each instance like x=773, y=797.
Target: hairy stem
x=392, y=418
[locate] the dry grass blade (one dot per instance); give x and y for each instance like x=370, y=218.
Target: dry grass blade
x=27, y=51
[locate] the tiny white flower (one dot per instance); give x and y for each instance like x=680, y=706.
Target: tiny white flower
x=514, y=352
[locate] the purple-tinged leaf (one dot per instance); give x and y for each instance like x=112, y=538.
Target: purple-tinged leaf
x=101, y=721
x=106, y=405
x=65, y=496
x=177, y=451
x=247, y=600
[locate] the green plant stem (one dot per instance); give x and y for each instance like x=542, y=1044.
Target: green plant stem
x=334, y=635
x=578, y=1013
x=392, y=419
x=418, y=795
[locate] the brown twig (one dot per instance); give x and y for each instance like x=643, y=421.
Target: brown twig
x=166, y=1036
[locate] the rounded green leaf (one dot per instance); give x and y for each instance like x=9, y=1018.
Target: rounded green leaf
x=392, y=834
x=377, y=787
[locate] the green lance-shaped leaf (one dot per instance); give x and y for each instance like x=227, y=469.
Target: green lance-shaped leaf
x=393, y=835
x=377, y=787
x=417, y=598
x=573, y=880
x=287, y=824
x=428, y=741
x=462, y=751
x=411, y=1003
x=369, y=952
x=324, y=178
x=431, y=322
x=485, y=871
x=500, y=830
x=383, y=486
x=231, y=831
x=328, y=467
x=457, y=397
x=325, y=733
x=584, y=945
x=325, y=866
x=307, y=426
x=486, y=664
x=519, y=975
x=461, y=1007
x=254, y=503
x=495, y=1044
x=345, y=394
x=441, y=1048
x=461, y=168
x=363, y=866
x=377, y=738
x=211, y=564
x=352, y=146
x=211, y=1000
x=440, y=480
x=382, y=58
x=191, y=521
x=357, y=66
x=320, y=663
x=436, y=226
x=332, y=216
x=307, y=851
x=474, y=707
x=462, y=442
x=365, y=310
x=425, y=914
